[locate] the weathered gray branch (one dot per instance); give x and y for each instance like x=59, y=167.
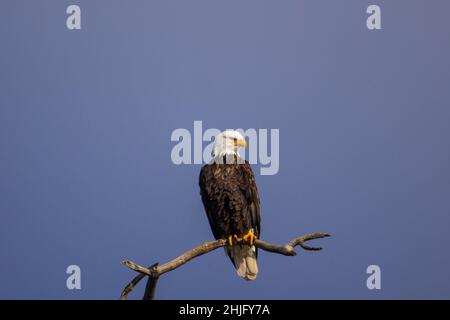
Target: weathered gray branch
x=155, y=271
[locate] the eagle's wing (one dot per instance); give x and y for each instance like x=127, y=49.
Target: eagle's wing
x=208, y=199
x=252, y=197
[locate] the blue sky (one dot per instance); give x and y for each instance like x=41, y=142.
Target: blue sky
x=86, y=118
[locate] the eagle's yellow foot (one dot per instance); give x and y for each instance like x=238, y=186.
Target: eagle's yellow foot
x=250, y=237
x=231, y=237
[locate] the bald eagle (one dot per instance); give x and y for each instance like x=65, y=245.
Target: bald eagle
x=231, y=202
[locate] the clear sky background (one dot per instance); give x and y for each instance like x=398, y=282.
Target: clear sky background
x=86, y=116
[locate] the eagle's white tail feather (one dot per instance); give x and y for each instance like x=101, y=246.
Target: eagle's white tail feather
x=244, y=258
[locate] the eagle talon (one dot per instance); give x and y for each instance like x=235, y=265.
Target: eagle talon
x=250, y=237
x=230, y=239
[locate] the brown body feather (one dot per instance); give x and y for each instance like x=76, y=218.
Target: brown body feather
x=231, y=201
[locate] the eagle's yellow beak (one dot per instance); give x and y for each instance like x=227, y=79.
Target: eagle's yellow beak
x=240, y=143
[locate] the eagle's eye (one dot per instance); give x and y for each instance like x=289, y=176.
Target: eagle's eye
x=235, y=140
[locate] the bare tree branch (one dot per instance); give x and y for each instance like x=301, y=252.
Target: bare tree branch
x=150, y=288
x=134, y=282
x=156, y=270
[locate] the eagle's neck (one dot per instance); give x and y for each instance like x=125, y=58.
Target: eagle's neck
x=228, y=158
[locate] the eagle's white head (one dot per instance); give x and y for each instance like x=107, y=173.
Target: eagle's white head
x=228, y=143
